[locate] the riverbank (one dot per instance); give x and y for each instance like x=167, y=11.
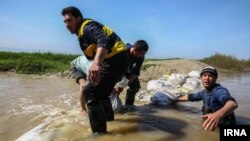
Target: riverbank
x=59, y=64
x=154, y=69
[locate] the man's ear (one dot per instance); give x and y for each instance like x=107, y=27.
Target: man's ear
x=79, y=19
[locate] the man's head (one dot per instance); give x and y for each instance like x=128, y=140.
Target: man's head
x=209, y=76
x=72, y=18
x=139, y=49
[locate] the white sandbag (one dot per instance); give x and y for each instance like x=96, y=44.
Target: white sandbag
x=143, y=96
x=195, y=74
x=116, y=103
x=189, y=86
x=161, y=99
x=123, y=83
x=177, y=79
x=154, y=85
x=194, y=81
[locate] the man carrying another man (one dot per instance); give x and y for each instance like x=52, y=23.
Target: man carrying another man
x=110, y=61
x=81, y=65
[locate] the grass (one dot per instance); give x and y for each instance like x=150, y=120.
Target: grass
x=41, y=63
x=228, y=62
x=35, y=63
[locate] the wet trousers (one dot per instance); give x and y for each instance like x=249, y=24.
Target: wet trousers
x=98, y=103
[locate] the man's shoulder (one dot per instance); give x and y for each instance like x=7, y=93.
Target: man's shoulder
x=218, y=89
x=90, y=22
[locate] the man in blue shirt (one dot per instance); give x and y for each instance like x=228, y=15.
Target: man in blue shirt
x=218, y=105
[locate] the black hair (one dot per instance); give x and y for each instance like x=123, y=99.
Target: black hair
x=72, y=10
x=141, y=45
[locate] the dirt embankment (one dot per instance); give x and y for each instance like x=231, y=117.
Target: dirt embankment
x=156, y=69
x=160, y=68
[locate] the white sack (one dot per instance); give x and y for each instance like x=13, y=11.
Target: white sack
x=116, y=103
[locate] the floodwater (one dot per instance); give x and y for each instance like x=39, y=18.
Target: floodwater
x=47, y=108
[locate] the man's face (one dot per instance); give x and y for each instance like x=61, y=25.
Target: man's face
x=71, y=23
x=208, y=80
x=139, y=54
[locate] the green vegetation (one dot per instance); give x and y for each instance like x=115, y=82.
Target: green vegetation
x=35, y=63
x=41, y=63
x=228, y=62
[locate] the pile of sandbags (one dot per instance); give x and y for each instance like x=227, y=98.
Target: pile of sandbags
x=166, y=89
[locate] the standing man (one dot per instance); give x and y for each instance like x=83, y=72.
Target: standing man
x=137, y=54
x=110, y=61
x=218, y=105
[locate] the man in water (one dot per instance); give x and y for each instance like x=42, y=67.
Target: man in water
x=137, y=53
x=218, y=105
x=110, y=61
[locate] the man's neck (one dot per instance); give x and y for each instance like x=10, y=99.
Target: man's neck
x=79, y=26
x=210, y=88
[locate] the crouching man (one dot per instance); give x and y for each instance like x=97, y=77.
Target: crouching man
x=218, y=105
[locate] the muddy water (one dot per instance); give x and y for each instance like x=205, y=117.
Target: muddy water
x=40, y=108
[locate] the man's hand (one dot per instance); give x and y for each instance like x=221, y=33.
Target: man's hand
x=117, y=91
x=93, y=76
x=211, y=121
x=94, y=70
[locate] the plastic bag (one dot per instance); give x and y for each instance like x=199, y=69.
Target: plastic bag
x=155, y=85
x=162, y=99
x=123, y=83
x=116, y=103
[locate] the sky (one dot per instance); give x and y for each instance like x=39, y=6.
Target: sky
x=192, y=29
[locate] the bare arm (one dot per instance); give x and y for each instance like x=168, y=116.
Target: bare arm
x=82, y=84
x=183, y=98
x=131, y=78
x=213, y=119
x=100, y=55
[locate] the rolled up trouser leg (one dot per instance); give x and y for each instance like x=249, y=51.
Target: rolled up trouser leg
x=108, y=110
x=96, y=117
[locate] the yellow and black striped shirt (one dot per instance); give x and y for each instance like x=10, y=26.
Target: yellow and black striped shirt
x=92, y=34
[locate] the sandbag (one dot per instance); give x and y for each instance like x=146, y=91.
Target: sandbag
x=162, y=99
x=123, y=83
x=194, y=74
x=154, y=85
x=116, y=103
x=177, y=79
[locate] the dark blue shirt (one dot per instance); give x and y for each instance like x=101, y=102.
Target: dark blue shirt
x=218, y=97
x=135, y=63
